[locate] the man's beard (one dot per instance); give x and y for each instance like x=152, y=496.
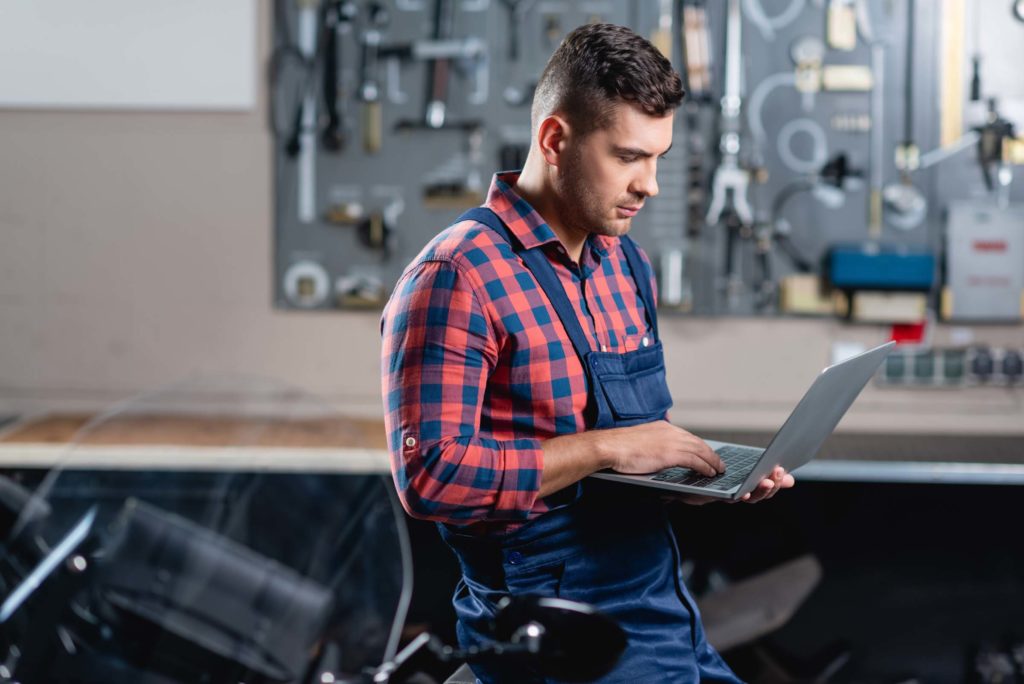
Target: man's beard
x=581, y=208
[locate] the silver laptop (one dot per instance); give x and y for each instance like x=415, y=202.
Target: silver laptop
x=796, y=442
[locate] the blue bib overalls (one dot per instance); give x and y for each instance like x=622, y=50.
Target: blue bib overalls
x=604, y=544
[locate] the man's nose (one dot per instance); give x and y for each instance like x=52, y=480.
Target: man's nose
x=646, y=184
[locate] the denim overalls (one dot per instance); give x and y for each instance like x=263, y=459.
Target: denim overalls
x=605, y=544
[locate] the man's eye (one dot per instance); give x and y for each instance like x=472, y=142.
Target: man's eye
x=627, y=159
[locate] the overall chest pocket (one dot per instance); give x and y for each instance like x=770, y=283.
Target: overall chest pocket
x=633, y=383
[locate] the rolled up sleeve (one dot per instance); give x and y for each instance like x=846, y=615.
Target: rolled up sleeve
x=439, y=348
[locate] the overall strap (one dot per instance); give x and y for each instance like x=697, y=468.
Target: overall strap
x=538, y=264
x=643, y=283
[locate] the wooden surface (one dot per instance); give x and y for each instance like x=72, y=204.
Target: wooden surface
x=337, y=444
x=368, y=433
x=357, y=445
x=209, y=431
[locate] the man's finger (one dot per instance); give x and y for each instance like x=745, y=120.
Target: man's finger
x=767, y=488
x=762, y=491
x=700, y=465
x=716, y=460
x=708, y=465
x=709, y=456
x=785, y=482
x=704, y=451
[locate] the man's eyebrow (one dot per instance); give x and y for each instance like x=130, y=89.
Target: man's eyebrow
x=637, y=152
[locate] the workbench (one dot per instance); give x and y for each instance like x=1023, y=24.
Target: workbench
x=357, y=445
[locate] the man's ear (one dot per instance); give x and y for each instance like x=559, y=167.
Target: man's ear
x=552, y=135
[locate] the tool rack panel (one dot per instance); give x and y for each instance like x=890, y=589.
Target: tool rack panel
x=808, y=124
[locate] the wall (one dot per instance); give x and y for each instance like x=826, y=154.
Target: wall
x=135, y=250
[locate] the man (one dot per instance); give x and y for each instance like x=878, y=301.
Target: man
x=521, y=354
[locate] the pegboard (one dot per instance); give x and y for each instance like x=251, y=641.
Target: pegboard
x=348, y=219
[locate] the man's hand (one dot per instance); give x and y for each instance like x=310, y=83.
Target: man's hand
x=651, y=447
x=636, y=450
x=645, y=448
x=777, y=480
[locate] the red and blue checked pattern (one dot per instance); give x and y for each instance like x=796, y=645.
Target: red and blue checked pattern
x=477, y=369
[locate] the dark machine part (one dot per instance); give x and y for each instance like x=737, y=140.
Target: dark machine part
x=699, y=128
x=292, y=145
x=119, y=603
x=287, y=56
x=561, y=639
x=765, y=289
x=696, y=185
x=835, y=173
x=907, y=154
x=512, y=6
x=338, y=18
x=333, y=135
x=375, y=233
x=1012, y=365
x=782, y=237
x=992, y=134
x=333, y=19
x=991, y=663
x=519, y=92
x=214, y=577
x=369, y=93
x=976, y=57
x=736, y=232
x=31, y=620
x=21, y=547
x=976, y=78
x=379, y=15
x=242, y=612
x=982, y=364
x=908, y=77
x=439, y=70
x=369, y=89
x=995, y=130
x=19, y=510
x=695, y=71
x=837, y=170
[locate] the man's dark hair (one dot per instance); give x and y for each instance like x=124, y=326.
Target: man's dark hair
x=598, y=66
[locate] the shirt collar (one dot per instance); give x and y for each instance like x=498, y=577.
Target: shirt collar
x=525, y=222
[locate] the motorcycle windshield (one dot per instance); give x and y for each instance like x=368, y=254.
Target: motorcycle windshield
x=216, y=530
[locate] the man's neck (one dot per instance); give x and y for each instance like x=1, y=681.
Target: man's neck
x=535, y=186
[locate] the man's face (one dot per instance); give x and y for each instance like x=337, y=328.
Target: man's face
x=606, y=176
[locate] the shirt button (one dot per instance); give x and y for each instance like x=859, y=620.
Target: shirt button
x=515, y=558
x=604, y=348
x=410, y=441
x=645, y=341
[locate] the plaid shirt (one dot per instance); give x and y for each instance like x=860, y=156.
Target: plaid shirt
x=478, y=370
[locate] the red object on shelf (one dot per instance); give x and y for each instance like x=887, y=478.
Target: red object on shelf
x=909, y=333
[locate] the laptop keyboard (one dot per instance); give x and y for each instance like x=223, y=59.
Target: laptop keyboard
x=739, y=461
